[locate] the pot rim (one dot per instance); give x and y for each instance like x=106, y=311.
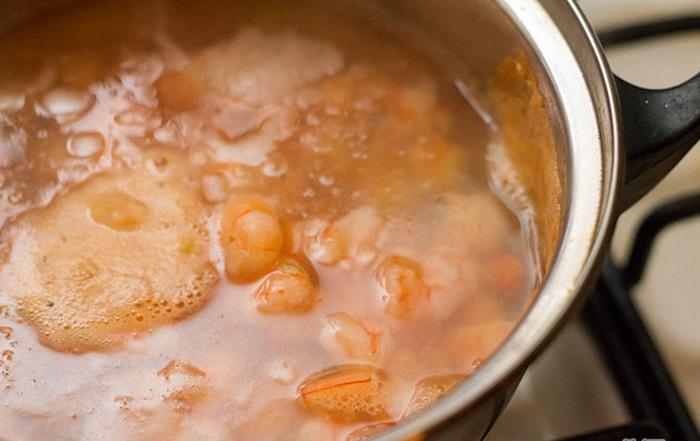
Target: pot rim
x=587, y=97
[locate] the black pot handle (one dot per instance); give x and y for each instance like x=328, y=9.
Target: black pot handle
x=659, y=126
x=658, y=129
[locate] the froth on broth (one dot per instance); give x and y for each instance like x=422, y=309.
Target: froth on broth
x=243, y=222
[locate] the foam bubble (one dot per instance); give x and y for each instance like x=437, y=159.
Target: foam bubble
x=84, y=145
x=11, y=102
x=66, y=103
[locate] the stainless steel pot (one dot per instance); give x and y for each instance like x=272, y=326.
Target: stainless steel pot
x=614, y=143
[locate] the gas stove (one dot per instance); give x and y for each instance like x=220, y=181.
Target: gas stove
x=628, y=368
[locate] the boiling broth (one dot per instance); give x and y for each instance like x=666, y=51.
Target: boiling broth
x=240, y=222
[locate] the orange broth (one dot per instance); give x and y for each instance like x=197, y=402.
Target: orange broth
x=227, y=221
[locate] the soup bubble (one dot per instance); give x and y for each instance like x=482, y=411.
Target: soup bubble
x=84, y=145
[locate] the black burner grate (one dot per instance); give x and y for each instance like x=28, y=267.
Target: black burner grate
x=614, y=323
x=612, y=319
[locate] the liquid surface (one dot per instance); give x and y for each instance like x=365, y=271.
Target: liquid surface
x=240, y=223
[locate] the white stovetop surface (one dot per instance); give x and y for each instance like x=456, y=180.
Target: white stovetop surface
x=568, y=390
